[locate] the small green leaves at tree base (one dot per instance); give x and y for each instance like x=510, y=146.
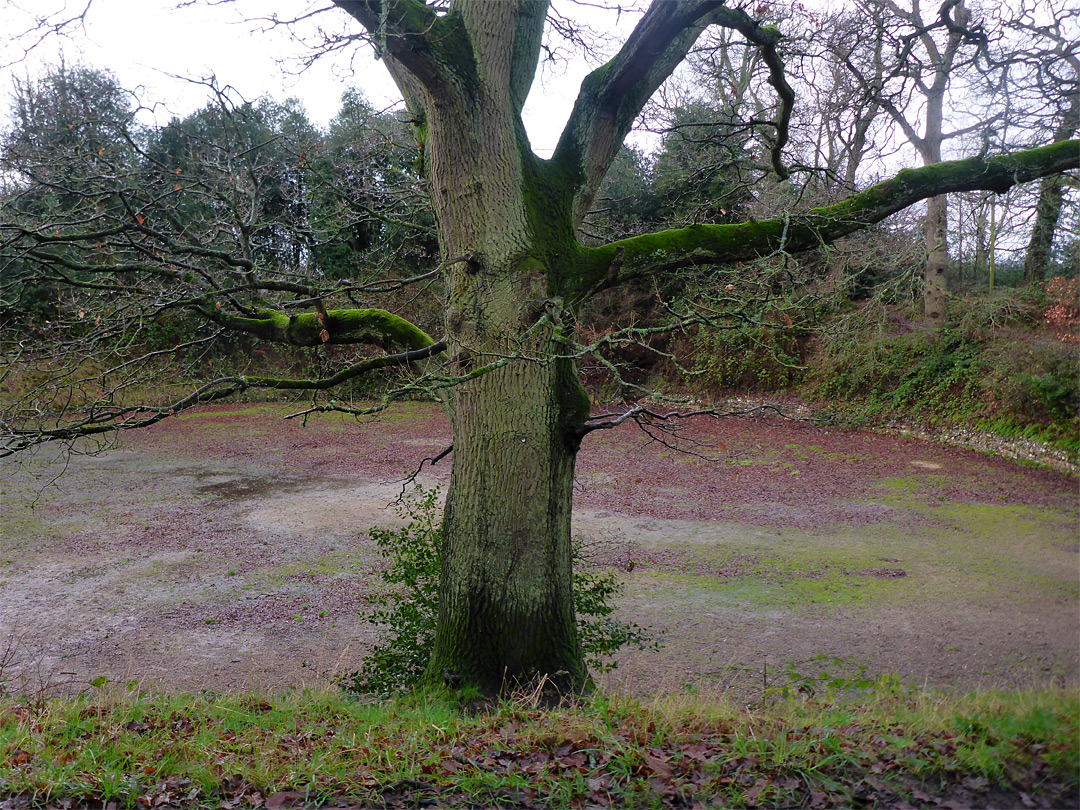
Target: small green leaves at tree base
x=406, y=612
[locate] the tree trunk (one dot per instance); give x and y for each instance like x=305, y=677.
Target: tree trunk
x=935, y=288
x=507, y=611
x=1051, y=194
x=931, y=72
x=1047, y=213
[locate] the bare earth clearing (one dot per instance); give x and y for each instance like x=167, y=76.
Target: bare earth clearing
x=227, y=549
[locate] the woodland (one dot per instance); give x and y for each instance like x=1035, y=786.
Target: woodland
x=862, y=204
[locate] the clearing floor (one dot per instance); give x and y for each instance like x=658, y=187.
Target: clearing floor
x=227, y=549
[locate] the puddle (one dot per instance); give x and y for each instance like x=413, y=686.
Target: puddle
x=244, y=487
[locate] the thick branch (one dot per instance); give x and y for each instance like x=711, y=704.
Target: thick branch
x=335, y=326
x=528, y=37
x=110, y=419
x=670, y=250
x=355, y=370
x=416, y=39
x=767, y=37
x=612, y=95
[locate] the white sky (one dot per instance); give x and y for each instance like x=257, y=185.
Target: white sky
x=147, y=44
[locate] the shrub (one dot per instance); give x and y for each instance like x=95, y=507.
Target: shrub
x=749, y=358
x=1056, y=389
x=407, y=612
x=1064, y=311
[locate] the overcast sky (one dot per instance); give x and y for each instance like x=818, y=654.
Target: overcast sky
x=147, y=44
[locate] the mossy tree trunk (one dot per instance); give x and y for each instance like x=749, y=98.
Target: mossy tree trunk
x=1047, y=214
x=506, y=609
x=507, y=227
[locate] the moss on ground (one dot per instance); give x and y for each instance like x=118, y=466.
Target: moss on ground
x=964, y=551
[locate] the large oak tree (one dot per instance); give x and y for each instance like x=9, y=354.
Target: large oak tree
x=515, y=275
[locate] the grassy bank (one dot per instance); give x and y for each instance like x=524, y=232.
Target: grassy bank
x=998, y=365
x=885, y=747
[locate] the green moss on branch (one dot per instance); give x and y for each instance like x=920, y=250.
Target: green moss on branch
x=338, y=326
x=671, y=250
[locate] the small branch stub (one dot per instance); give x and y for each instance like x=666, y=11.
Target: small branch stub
x=615, y=266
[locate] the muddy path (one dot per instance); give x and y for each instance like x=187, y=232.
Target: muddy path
x=227, y=549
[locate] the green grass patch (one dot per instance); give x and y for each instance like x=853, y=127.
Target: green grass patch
x=978, y=553
x=881, y=745
x=795, y=589
x=981, y=550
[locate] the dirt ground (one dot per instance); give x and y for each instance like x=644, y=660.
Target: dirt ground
x=227, y=549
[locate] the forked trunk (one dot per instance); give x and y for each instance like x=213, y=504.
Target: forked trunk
x=506, y=593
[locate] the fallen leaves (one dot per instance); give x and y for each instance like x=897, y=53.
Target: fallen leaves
x=629, y=763
x=169, y=793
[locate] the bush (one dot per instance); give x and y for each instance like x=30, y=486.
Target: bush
x=1064, y=311
x=1056, y=390
x=749, y=358
x=407, y=612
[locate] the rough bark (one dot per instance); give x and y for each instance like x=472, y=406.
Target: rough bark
x=506, y=612
x=936, y=236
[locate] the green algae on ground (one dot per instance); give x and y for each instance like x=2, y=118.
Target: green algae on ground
x=977, y=551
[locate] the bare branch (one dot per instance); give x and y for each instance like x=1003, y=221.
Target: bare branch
x=15, y=438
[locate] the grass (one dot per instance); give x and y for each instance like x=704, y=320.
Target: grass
x=926, y=551
x=844, y=746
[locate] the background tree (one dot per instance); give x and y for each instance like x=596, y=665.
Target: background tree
x=925, y=57
x=69, y=128
x=1044, y=51
x=841, y=67
x=515, y=275
x=147, y=236
x=385, y=222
